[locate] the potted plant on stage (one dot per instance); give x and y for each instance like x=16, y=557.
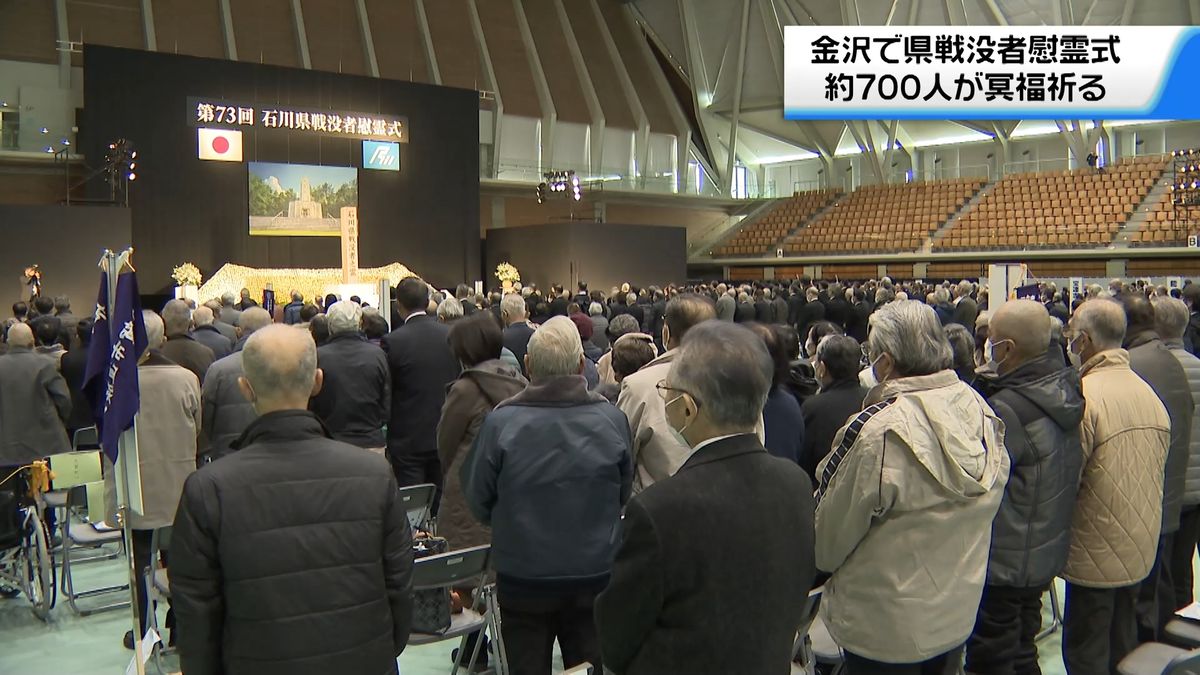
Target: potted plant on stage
x=508, y=275
x=187, y=280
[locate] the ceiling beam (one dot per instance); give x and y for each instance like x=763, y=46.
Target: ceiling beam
x=998, y=15
x=981, y=127
x=912, y=12
x=1127, y=12
x=891, y=13
x=756, y=104
x=740, y=75
x=774, y=35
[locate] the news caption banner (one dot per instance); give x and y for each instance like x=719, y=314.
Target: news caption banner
x=992, y=72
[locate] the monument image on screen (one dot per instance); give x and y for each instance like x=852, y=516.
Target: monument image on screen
x=300, y=200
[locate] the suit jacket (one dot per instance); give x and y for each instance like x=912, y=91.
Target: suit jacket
x=190, y=353
x=703, y=582
x=811, y=313
x=516, y=340
x=210, y=336
x=422, y=366
x=965, y=313
x=744, y=312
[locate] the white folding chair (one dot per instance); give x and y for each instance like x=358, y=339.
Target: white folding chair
x=79, y=533
x=455, y=570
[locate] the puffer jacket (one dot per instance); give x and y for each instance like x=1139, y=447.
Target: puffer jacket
x=903, y=522
x=549, y=472
x=1150, y=359
x=291, y=556
x=227, y=413
x=468, y=400
x=1041, y=404
x=1118, y=513
x=1191, y=368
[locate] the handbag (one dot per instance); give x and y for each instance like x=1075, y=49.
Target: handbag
x=431, y=607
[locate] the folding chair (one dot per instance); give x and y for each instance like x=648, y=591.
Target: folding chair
x=454, y=570
x=418, y=503
x=1155, y=658
x=802, y=650
x=158, y=589
x=79, y=533
x=1055, y=615
x=83, y=442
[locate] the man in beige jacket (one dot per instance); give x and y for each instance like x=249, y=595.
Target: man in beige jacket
x=1118, y=513
x=657, y=452
x=905, y=504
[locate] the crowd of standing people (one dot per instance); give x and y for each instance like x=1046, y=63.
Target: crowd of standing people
x=664, y=474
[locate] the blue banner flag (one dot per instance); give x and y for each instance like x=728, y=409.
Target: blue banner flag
x=94, y=382
x=111, y=380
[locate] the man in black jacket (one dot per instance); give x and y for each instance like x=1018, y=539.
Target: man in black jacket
x=836, y=364
x=181, y=347
x=859, y=316
x=811, y=312
x=703, y=581
x=293, y=555
x=355, y=399
x=1154, y=363
x=1041, y=403
x=422, y=366
x=207, y=334
x=517, y=330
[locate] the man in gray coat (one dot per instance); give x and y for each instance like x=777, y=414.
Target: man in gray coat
x=34, y=402
x=1171, y=319
x=726, y=304
x=226, y=412
x=1150, y=359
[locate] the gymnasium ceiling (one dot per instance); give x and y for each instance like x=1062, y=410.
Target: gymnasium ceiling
x=701, y=38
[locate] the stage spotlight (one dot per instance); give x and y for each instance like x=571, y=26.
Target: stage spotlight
x=132, y=165
x=44, y=130
x=132, y=176
x=48, y=149
x=541, y=193
x=133, y=155
x=65, y=143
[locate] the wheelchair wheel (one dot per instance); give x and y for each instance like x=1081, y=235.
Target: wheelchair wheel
x=38, y=573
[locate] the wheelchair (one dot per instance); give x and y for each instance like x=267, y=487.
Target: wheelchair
x=26, y=562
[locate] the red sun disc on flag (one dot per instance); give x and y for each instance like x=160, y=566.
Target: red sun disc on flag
x=220, y=144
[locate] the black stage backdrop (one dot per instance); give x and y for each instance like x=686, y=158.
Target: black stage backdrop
x=426, y=216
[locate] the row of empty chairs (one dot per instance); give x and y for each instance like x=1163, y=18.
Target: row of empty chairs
x=1077, y=208
x=1166, y=225
x=761, y=235
x=884, y=218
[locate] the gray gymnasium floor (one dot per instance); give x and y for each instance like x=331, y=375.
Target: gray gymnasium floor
x=72, y=645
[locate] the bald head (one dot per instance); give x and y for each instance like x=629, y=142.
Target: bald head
x=254, y=319
x=20, y=335
x=280, y=366
x=177, y=317
x=1097, y=325
x=1027, y=324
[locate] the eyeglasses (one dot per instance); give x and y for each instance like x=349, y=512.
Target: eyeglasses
x=670, y=394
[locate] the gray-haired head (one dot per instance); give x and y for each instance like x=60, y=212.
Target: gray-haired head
x=941, y=294
x=449, y=310
x=595, y=309
x=1104, y=322
x=631, y=299
x=1094, y=290
x=909, y=332
x=228, y=298
x=254, y=319
x=727, y=369
x=555, y=349
x=155, y=331
x=297, y=296
x=512, y=308
x=280, y=364
x=1170, y=317
x=203, y=316
x=62, y=304
x=964, y=288
x=344, y=316
x=622, y=324
x=177, y=317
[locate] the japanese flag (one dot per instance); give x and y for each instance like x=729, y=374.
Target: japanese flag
x=223, y=145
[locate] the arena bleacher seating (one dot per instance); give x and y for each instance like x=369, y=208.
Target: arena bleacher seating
x=884, y=218
x=760, y=235
x=1058, y=209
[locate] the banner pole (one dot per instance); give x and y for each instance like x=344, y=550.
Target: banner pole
x=127, y=443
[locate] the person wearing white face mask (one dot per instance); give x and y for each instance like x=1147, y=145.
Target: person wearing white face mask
x=1118, y=513
x=905, y=504
x=1041, y=404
